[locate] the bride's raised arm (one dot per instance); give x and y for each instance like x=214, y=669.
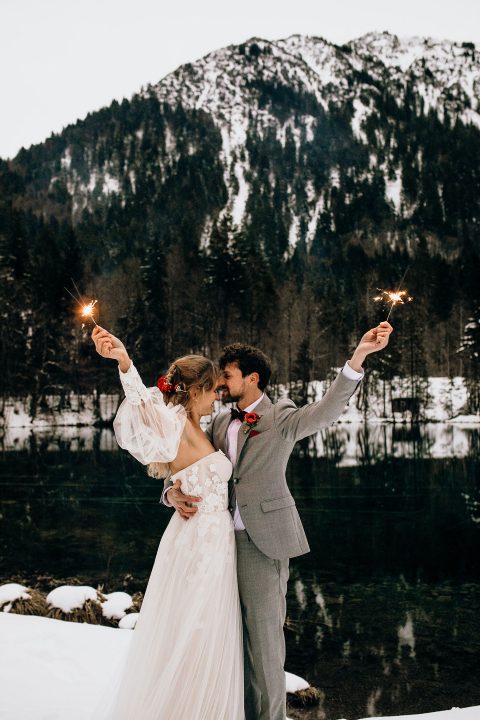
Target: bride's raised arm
x=143, y=425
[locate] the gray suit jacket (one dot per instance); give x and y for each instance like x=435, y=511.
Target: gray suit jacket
x=266, y=505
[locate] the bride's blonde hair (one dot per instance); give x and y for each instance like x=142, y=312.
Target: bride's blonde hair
x=185, y=374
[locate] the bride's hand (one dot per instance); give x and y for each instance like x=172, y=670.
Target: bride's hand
x=108, y=346
x=374, y=340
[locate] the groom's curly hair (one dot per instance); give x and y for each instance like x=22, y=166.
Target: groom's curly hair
x=249, y=359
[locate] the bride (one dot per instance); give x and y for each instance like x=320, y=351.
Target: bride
x=185, y=660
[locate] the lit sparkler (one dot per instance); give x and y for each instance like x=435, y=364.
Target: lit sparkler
x=87, y=311
x=394, y=297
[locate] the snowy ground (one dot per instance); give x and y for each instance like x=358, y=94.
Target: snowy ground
x=445, y=401
x=54, y=670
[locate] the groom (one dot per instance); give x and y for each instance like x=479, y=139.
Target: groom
x=258, y=437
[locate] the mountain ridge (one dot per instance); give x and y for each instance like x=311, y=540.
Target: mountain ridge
x=300, y=172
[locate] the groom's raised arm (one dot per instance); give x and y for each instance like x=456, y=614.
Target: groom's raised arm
x=295, y=423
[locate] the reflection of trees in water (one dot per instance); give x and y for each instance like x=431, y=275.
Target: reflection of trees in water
x=367, y=444
x=412, y=440
x=474, y=443
x=372, y=444
x=472, y=497
x=333, y=443
x=388, y=646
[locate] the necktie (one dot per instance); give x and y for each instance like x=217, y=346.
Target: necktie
x=237, y=414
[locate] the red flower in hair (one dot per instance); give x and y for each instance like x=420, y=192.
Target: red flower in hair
x=163, y=385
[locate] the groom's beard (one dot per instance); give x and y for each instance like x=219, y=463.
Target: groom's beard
x=227, y=398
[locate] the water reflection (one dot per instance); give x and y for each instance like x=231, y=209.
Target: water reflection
x=349, y=445
x=345, y=444
x=382, y=613
x=384, y=647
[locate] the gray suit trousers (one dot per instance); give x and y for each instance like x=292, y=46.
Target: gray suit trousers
x=262, y=583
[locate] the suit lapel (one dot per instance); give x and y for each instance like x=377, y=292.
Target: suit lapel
x=242, y=439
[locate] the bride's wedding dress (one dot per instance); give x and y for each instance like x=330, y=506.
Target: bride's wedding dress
x=185, y=660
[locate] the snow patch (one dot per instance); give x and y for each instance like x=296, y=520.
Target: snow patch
x=70, y=597
x=360, y=114
x=293, y=236
x=240, y=201
x=116, y=605
x=129, y=621
x=11, y=592
x=393, y=191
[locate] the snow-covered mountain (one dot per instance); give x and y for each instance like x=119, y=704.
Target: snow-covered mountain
x=290, y=168
x=270, y=91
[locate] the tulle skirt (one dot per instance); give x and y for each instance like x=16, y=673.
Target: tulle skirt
x=185, y=660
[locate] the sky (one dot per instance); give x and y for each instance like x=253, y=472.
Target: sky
x=61, y=59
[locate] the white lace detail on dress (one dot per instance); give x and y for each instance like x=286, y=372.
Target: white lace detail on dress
x=208, y=478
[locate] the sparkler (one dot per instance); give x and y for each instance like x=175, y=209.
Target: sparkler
x=395, y=297
x=86, y=309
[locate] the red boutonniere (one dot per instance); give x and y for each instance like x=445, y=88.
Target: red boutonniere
x=251, y=419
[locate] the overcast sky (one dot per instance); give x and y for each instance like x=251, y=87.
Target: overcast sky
x=60, y=59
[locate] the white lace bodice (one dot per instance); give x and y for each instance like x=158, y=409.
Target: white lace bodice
x=208, y=478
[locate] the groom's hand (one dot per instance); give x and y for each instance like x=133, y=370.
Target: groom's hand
x=181, y=502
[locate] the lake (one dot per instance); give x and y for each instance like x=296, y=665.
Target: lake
x=382, y=613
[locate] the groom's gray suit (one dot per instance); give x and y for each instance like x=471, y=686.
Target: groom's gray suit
x=273, y=532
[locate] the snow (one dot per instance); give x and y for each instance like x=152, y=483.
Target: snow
x=53, y=670
x=69, y=597
x=471, y=420
x=110, y=184
x=116, y=605
x=394, y=191
x=11, y=592
x=361, y=112
x=66, y=159
x=234, y=137
x=334, y=180
x=406, y=637
x=446, y=427
x=293, y=236
x=206, y=234
x=77, y=410
x=295, y=683
x=129, y=621
x=240, y=201
x=313, y=221
x=225, y=85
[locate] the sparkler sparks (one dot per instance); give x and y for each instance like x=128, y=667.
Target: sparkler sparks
x=394, y=297
x=87, y=310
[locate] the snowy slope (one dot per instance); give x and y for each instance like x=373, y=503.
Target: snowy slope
x=56, y=670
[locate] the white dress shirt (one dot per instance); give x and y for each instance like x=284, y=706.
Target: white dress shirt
x=232, y=444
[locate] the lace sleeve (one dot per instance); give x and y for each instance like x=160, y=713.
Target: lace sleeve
x=144, y=425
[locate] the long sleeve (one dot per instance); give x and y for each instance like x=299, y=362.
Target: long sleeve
x=144, y=425
x=296, y=423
